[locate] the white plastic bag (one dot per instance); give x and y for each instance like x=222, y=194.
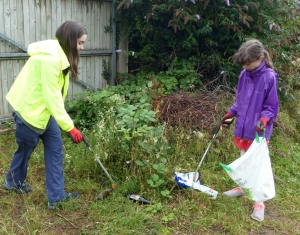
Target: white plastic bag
x=253, y=172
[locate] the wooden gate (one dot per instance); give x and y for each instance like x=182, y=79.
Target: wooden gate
x=26, y=21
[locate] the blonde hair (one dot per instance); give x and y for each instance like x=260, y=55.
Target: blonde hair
x=250, y=51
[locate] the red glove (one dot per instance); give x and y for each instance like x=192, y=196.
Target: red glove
x=227, y=119
x=75, y=135
x=261, y=125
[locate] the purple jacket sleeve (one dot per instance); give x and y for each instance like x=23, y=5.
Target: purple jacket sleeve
x=270, y=105
x=233, y=109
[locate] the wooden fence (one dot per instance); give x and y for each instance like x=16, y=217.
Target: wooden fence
x=25, y=21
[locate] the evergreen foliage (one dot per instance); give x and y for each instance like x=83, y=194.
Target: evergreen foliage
x=206, y=34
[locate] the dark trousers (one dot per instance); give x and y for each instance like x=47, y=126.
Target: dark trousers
x=27, y=140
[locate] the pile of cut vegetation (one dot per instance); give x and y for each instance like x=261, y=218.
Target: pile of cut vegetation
x=194, y=111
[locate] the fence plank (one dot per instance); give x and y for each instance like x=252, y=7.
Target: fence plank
x=32, y=22
x=28, y=21
x=38, y=21
x=20, y=24
x=2, y=92
x=97, y=71
x=4, y=86
x=2, y=43
x=91, y=18
x=43, y=16
x=48, y=19
x=53, y=18
x=12, y=22
x=26, y=14
x=7, y=22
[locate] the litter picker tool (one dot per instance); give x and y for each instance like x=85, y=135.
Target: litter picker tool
x=192, y=179
x=100, y=163
x=106, y=192
x=206, y=151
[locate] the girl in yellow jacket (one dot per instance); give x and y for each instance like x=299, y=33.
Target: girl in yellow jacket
x=37, y=99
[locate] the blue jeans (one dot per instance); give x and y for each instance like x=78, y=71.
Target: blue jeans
x=27, y=140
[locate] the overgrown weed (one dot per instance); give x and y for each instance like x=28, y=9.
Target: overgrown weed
x=135, y=162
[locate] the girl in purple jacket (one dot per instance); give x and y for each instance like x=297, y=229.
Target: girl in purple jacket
x=256, y=105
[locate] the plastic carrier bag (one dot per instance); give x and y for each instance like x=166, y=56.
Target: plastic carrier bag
x=186, y=181
x=253, y=172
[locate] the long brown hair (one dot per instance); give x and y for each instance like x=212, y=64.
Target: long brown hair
x=67, y=35
x=250, y=51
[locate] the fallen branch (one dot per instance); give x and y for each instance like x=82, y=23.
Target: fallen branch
x=67, y=220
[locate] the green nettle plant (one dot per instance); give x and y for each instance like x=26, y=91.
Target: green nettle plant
x=156, y=147
x=132, y=88
x=85, y=108
x=132, y=100
x=135, y=119
x=124, y=131
x=183, y=76
x=142, y=150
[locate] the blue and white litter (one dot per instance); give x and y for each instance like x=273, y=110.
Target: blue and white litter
x=186, y=181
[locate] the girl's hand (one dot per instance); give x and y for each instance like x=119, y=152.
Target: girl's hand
x=227, y=120
x=261, y=125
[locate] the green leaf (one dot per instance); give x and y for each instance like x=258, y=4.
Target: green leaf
x=139, y=163
x=150, y=182
x=149, y=209
x=155, y=166
x=165, y=192
x=143, y=99
x=155, y=177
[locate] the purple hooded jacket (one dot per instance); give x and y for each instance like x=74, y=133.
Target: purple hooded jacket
x=256, y=97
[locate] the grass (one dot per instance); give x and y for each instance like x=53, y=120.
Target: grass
x=186, y=212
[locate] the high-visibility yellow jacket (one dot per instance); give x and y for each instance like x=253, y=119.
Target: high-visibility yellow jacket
x=40, y=89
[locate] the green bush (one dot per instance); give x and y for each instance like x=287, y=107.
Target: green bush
x=85, y=108
x=164, y=32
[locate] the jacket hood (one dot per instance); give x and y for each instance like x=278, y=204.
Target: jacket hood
x=50, y=47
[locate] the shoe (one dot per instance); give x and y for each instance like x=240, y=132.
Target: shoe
x=235, y=192
x=23, y=188
x=258, y=212
x=53, y=205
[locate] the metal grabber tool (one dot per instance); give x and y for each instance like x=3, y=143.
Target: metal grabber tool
x=206, y=151
x=192, y=179
x=106, y=192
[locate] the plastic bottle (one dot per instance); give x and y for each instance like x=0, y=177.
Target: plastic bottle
x=139, y=199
